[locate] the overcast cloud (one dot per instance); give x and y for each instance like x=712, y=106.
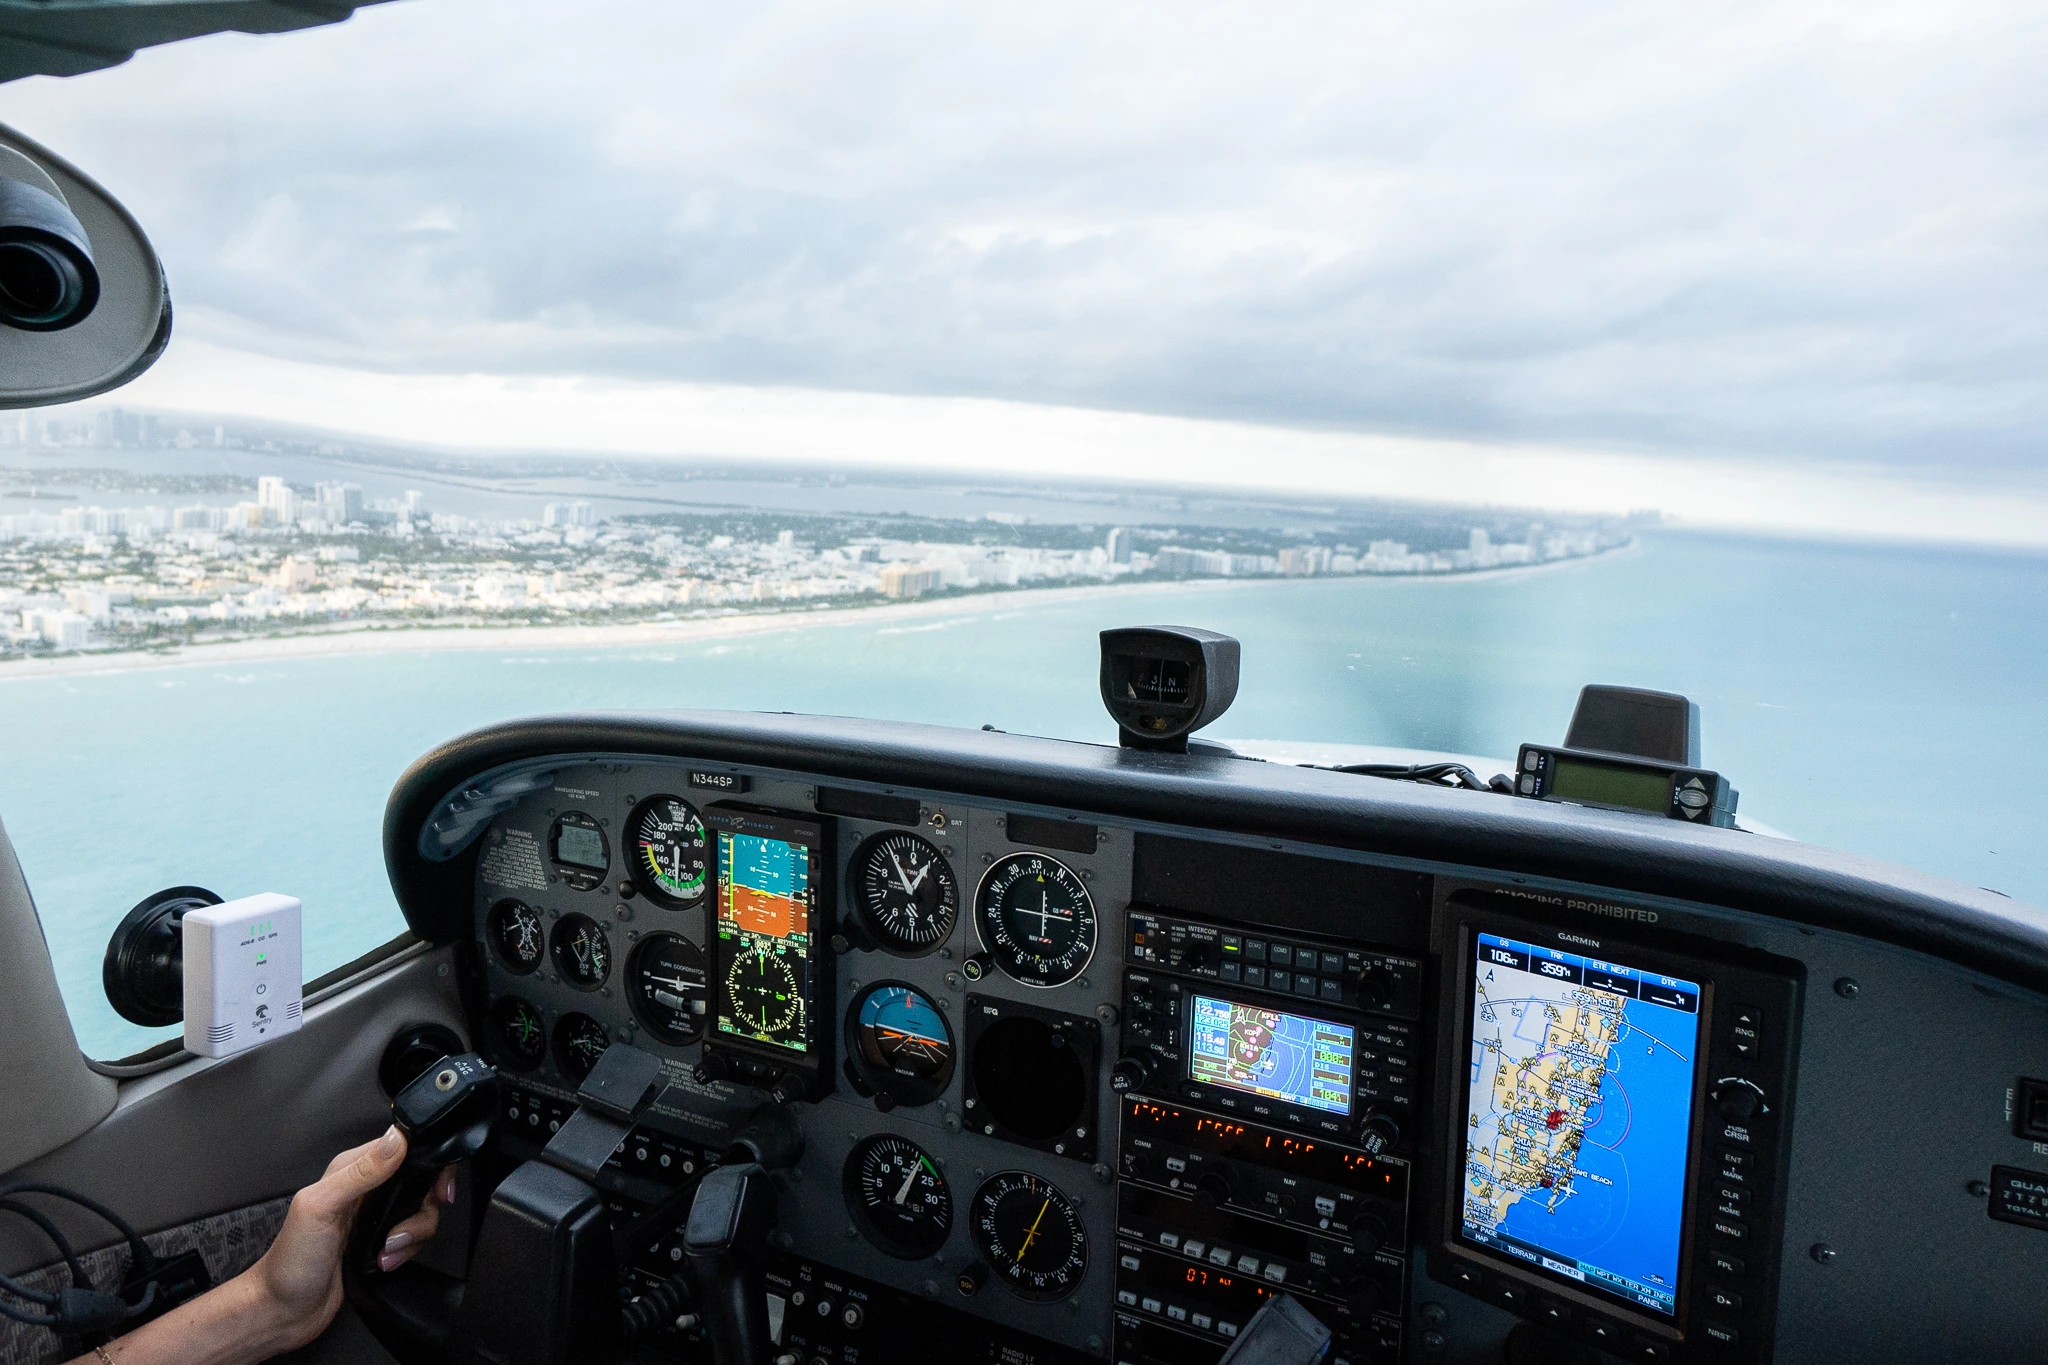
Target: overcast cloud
x=1813, y=235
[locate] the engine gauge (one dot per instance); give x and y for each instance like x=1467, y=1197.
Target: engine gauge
x=665, y=985
x=897, y=1197
x=516, y=933
x=1030, y=1234
x=582, y=953
x=521, y=1034
x=579, y=851
x=1036, y=919
x=767, y=999
x=668, y=852
x=905, y=892
x=579, y=1042
x=899, y=1043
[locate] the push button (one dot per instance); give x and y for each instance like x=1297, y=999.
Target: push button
x=1304, y=985
x=1727, y=1301
x=1466, y=1277
x=1554, y=1311
x=1193, y=1248
x=1127, y=1297
x=1255, y=950
x=1732, y=1230
x=1280, y=955
x=1254, y=976
x=1151, y=1305
x=1721, y=1333
x=1333, y=991
x=1726, y=1264
x=1332, y=964
x=1279, y=980
x=1655, y=1352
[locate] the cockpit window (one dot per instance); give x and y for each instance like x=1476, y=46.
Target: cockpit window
x=873, y=364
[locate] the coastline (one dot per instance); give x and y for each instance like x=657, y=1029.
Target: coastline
x=373, y=637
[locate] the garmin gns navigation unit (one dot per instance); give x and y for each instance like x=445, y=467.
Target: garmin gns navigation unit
x=1619, y=1126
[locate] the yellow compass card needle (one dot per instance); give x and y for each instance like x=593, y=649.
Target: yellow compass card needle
x=1032, y=1235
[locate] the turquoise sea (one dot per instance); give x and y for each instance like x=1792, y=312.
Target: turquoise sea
x=1884, y=699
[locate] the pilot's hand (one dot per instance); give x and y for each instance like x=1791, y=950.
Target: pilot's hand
x=300, y=1276
x=288, y=1297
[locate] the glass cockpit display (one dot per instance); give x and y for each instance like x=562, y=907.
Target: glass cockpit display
x=1281, y=1056
x=765, y=907
x=1579, y=1116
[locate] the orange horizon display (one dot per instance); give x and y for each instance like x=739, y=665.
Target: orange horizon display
x=763, y=912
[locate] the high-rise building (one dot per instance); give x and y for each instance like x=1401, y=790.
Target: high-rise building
x=908, y=580
x=1118, y=545
x=275, y=498
x=339, y=504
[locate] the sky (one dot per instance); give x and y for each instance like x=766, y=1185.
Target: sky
x=1771, y=266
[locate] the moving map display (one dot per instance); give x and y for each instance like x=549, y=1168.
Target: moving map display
x=1579, y=1115
x=1288, y=1057
x=764, y=939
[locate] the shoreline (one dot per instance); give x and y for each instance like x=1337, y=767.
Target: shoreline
x=380, y=638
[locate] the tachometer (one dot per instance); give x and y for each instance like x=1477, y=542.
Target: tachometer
x=668, y=852
x=897, y=1197
x=579, y=1042
x=665, y=985
x=899, y=1043
x=1030, y=1234
x=582, y=953
x=1036, y=919
x=515, y=931
x=521, y=1033
x=906, y=894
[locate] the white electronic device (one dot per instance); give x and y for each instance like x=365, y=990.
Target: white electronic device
x=243, y=974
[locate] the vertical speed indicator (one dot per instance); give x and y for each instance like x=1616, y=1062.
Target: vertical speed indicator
x=1036, y=919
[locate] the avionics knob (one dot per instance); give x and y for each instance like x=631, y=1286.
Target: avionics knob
x=1368, y=1234
x=1131, y=1072
x=712, y=1068
x=1737, y=1101
x=1378, y=1133
x=1363, y=1296
x=1214, y=1187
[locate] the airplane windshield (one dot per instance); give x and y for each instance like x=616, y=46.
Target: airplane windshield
x=534, y=358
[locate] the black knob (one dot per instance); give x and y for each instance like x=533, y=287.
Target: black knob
x=884, y=1101
x=1737, y=1102
x=1378, y=1133
x=1368, y=1234
x=712, y=1068
x=787, y=1089
x=974, y=968
x=972, y=1276
x=1363, y=1295
x=1131, y=1072
x=1214, y=1187
x=1376, y=985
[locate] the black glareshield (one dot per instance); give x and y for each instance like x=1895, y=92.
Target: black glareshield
x=1163, y=683
x=48, y=281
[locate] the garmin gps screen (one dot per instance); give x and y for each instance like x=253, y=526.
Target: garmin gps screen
x=1282, y=1056
x=1578, y=1118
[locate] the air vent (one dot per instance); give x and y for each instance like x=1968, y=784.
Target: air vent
x=220, y=1033
x=294, y=1010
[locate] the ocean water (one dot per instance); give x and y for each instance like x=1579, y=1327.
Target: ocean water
x=1882, y=699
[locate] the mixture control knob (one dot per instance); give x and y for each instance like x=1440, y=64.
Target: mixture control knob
x=1378, y=1133
x=1131, y=1072
x=1214, y=1187
x=1737, y=1101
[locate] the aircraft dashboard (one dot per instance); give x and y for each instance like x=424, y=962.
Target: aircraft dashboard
x=1094, y=1051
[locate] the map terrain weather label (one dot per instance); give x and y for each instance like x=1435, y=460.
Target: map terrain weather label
x=1287, y=1057
x=1579, y=1116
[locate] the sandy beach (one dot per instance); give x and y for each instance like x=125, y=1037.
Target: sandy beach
x=388, y=637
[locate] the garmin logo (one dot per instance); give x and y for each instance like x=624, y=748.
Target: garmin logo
x=1582, y=942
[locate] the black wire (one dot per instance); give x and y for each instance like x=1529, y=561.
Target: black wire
x=1453, y=775
x=45, y=1320
x=50, y=1230
x=141, y=1259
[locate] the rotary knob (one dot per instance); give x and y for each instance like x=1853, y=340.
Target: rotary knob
x=1377, y=1133
x=1131, y=1072
x=1214, y=1187
x=1737, y=1101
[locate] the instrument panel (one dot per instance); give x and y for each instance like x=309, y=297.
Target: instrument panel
x=1099, y=1088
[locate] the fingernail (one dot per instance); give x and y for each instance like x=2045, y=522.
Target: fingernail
x=391, y=1260
x=389, y=1143
x=397, y=1241
x=448, y=1188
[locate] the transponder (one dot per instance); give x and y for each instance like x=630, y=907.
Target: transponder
x=242, y=974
